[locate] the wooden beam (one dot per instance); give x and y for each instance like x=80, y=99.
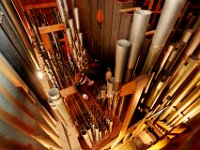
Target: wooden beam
x=68, y=91
x=126, y=10
x=39, y=6
x=51, y=28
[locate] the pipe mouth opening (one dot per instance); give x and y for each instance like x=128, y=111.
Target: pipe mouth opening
x=83, y=132
x=53, y=92
x=143, y=12
x=124, y=43
x=194, y=57
x=87, y=127
x=111, y=80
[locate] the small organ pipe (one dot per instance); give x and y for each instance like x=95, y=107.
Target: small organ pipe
x=89, y=131
x=165, y=25
x=86, y=138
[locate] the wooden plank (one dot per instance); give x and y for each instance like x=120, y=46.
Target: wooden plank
x=125, y=26
x=158, y=7
x=40, y=5
x=116, y=25
x=150, y=4
x=126, y=10
x=47, y=42
x=51, y=28
x=96, y=32
x=107, y=29
x=86, y=26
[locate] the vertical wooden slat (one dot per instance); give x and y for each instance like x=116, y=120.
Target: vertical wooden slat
x=96, y=31
x=125, y=26
x=85, y=25
x=107, y=28
x=116, y=25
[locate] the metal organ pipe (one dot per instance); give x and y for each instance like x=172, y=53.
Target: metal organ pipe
x=76, y=18
x=192, y=83
x=122, y=49
x=186, y=102
x=59, y=102
x=165, y=25
x=86, y=138
x=140, y=22
x=190, y=112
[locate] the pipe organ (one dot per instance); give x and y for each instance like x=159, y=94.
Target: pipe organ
x=54, y=94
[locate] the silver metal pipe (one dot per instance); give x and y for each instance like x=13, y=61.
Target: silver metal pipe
x=166, y=56
x=122, y=49
x=169, y=15
x=89, y=131
x=96, y=133
x=186, y=102
x=71, y=25
x=195, y=79
x=110, y=82
x=60, y=8
x=76, y=18
x=69, y=36
x=86, y=138
x=66, y=9
x=59, y=102
x=139, y=26
x=80, y=35
x=110, y=126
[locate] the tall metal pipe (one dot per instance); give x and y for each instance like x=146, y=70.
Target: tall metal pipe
x=186, y=102
x=195, y=79
x=60, y=8
x=66, y=9
x=122, y=49
x=76, y=18
x=20, y=29
x=169, y=15
x=59, y=102
x=139, y=26
x=166, y=56
x=80, y=35
x=71, y=25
